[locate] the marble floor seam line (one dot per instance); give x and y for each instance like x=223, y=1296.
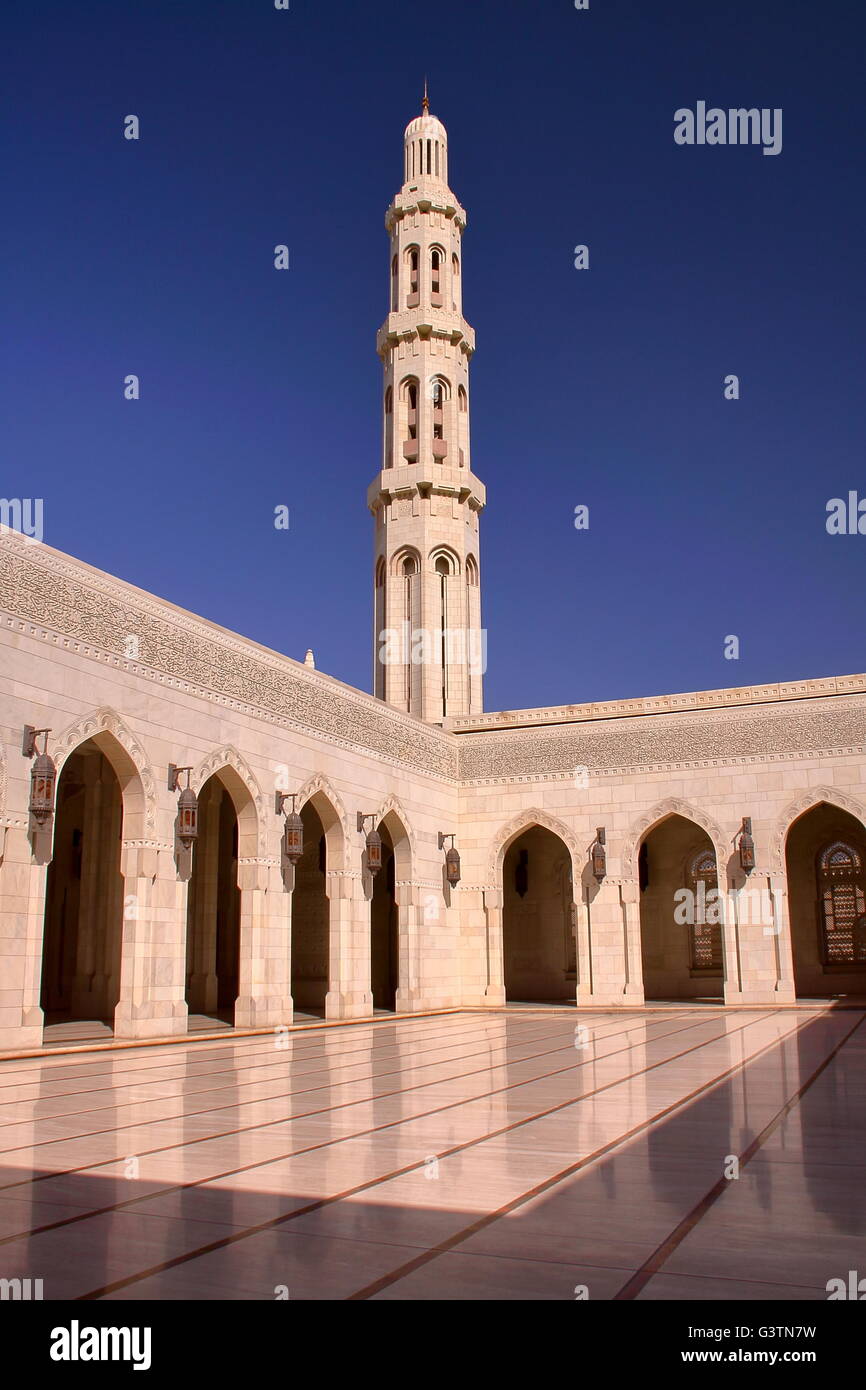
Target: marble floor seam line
x=320, y=1203
x=449, y=1245
x=662, y=1254
x=27, y=1148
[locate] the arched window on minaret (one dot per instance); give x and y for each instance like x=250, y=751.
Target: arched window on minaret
x=455, y=281
x=389, y=428
x=436, y=260
x=471, y=571
x=445, y=565
x=379, y=601
x=409, y=413
x=394, y=300
x=406, y=565
x=412, y=258
x=462, y=420
x=440, y=394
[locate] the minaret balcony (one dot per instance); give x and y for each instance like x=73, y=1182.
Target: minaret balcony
x=440, y=448
x=413, y=300
x=436, y=299
x=414, y=480
x=442, y=323
x=410, y=450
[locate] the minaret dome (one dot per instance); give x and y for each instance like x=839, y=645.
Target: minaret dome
x=425, y=150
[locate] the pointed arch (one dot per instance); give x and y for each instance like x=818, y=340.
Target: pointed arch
x=243, y=788
x=331, y=812
x=115, y=739
x=816, y=796
x=392, y=814
x=405, y=562
x=444, y=560
x=524, y=820
x=671, y=806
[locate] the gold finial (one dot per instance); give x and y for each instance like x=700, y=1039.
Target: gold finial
x=425, y=104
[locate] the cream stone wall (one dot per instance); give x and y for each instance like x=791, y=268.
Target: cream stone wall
x=197, y=695
x=771, y=758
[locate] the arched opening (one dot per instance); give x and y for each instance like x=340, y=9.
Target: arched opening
x=681, y=926
x=412, y=297
x=385, y=915
x=214, y=903
x=84, y=902
x=826, y=862
x=445, y=566
x=389, y=428
x=538, y=940
x=311, y=918
x=436, y=262
x=409, y=404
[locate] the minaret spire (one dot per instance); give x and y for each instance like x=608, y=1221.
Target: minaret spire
x=429, y=651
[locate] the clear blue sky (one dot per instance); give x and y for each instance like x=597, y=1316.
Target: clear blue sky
x=603, y=387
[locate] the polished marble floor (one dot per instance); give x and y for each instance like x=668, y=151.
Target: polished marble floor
x=535, y=1153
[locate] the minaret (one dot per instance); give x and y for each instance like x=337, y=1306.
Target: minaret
x=429, y=649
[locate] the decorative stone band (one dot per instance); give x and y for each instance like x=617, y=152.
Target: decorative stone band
x=600, y=773
x=57, y=600
x=666, y=741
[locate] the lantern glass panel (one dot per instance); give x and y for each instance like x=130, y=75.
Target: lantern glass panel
x=42, y=780
x=374, y=852
x=294, y=838
x=452, y=867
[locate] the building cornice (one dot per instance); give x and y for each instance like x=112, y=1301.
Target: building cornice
x=660, y=704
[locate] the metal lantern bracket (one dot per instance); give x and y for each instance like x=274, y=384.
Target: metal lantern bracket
x=28, y=743
x=43, y=774
x=187, y=806
x=174, y=774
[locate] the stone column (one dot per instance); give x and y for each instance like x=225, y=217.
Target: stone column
x=494, y=993
x=349, y=990
x=265, y=983
x=582, y=929
x=633, y=986
x=409, y=927
x=733, y=982
x=152, y=1001
x=23, y=877
x=786, y=988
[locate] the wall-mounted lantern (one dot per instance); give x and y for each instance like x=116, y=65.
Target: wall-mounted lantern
x=187, y=806
x=747, y=846
x=373, y=842
x=598, y=856
x=452, y=859
x=294, y=836
x=43, y=774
